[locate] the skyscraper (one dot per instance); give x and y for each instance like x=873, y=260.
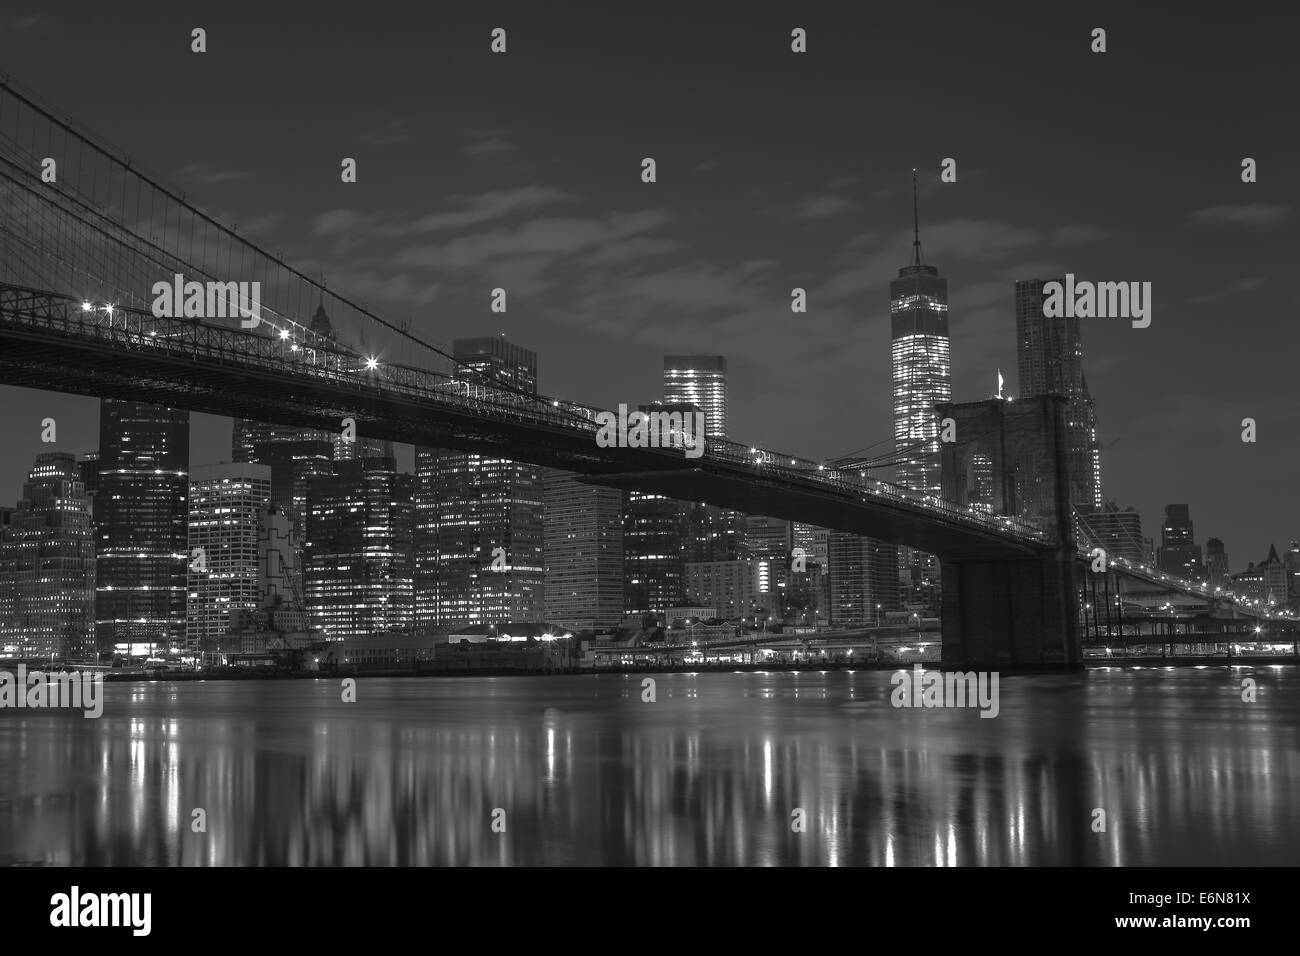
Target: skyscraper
x=654, y=536
x=1050, y=357
x=1118, y=532
x=699, y=380
x=583, y=552
x=479, y=525
x=922, y=371
x=142, y=515
x=922, y=378
x=228, y=503
x=359, y=549
x=864, y=581
x=1216, y=563
x=48, y=555
x=1179, y=553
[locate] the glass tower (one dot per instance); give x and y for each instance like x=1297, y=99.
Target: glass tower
x=141, y=518
x=918, y=318
x=479, y=518
x=48, y=553
x=699, y=380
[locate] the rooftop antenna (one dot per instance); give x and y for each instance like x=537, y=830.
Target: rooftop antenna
x=916, y=223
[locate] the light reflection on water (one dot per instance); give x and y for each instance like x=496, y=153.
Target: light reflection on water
x=708, y=774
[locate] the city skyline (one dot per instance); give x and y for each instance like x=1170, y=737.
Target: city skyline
x=946, y=517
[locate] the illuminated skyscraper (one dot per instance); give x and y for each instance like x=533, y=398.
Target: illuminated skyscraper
x=479, y=527
x=141, y=519
x=48, y=552
x=359, y=545
x=918, y=315
x=699, y=380
x=228, y=503
x=1179, y=553
x=1050, y=354
x=654, y=535
x=922, y=376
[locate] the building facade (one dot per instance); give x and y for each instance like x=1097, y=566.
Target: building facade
x=701, y=381
x=359, y=549
x=47, y=556
x=141, y=527
x=583, y=553
x=228, y=504
x=1180, y=555
x=479, y=518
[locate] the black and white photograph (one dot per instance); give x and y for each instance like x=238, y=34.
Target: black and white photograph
x=516, y=436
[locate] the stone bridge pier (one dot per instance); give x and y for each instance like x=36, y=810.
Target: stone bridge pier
x=1011, y=613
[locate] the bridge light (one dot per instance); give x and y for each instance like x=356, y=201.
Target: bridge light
x=372, y=363
x=108, y=309
x=284, y=333
x=86, y=307
x=294, y=347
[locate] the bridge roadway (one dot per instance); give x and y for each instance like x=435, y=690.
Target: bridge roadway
x=55, y=342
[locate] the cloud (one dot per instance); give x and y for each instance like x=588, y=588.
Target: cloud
x=489, y=206
x=391, y=133
x=1073, y=235
x=347, y=223
x=203, y=173
x=1241, y=286
x=821, y=207
x=28, y=22
x=365, y=285
x=554, y=237
x=336, y=222
x=492, y=146
x=1258, y=214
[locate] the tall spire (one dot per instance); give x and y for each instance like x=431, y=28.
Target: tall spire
x=916, y=224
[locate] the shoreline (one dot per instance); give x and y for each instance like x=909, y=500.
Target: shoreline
x=227, y=674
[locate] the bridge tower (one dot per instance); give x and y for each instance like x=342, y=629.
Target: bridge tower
x=1011, y=458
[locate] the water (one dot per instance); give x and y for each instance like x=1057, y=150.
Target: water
x=710, y=773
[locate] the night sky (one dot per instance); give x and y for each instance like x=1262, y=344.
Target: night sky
x=775, y=170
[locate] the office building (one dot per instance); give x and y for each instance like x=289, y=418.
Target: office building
x=47, y=557
x=701, y=381
x=1216, y=563
x=359, y=549
x=583, y=553
x=141, y=528
x=228, y=503
x=1118, y=532
x=479, y=518
x=864, y=584
x=1180, y=555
